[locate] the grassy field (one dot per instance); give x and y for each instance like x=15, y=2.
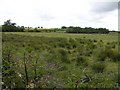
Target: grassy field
x=105, y=37
x=60, y=60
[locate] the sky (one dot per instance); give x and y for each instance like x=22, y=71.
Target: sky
x=57, y=13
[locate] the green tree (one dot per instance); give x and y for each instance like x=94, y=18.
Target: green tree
x=8, y=26
x=63, y=27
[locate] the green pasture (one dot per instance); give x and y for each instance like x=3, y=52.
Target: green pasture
x=60, y=60
x=104, y=37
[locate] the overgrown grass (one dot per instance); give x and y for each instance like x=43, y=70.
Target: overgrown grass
x=52, y=60
x=105, y=37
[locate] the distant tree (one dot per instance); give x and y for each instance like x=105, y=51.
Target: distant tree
x=8, y=22
x=11, y=27
x=72, y=29
x=63, y=27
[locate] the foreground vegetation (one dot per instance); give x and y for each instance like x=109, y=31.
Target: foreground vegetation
x=34, y=60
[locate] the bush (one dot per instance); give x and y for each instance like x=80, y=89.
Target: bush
x=73, y=43
x=104, y=53
x=101, y=56
x=95, y=40
x=81, y=60
x=98, y=67
x=108, y=53
x=64, y=55
x=115, y=56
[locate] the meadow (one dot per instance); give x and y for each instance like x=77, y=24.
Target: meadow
x=60, y=60
x=105, y=37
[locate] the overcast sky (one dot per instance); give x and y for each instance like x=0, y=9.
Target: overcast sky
x=57, y=13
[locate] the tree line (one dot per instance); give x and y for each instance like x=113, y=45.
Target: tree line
x=72, y=29
x=8, y=26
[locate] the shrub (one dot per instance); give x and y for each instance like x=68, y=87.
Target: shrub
x=98, y=67
x=101, y=56
x=115, y=56
x=81, y=60
x=73, y=43
x=64, y=55
x=95, y=40
x=104, y=53
x=109, y=53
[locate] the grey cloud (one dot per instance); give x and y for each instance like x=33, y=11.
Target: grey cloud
x=103, y=7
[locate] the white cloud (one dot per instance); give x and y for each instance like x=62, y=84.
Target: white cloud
x=56, y=13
